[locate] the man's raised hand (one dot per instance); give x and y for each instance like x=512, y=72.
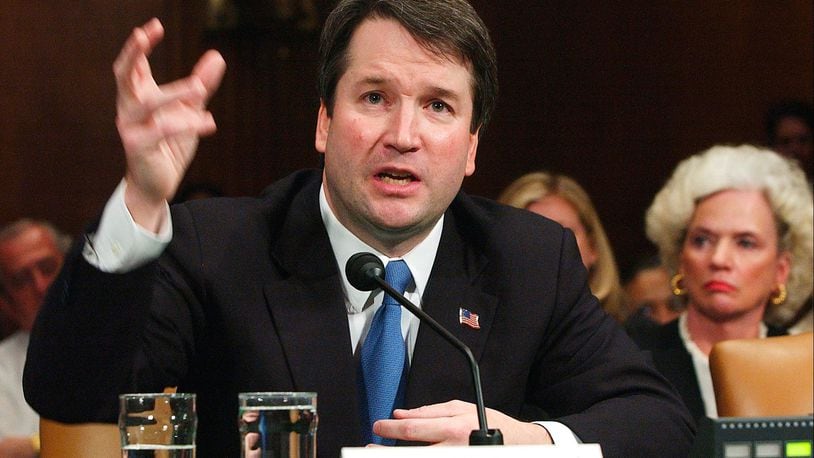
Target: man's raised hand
x=160, y=125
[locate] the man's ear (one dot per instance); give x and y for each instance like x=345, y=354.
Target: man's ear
x=473, y=152
x=323, y=125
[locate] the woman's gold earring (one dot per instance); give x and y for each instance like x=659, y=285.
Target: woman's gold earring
x=674, y=284
x=781, y=295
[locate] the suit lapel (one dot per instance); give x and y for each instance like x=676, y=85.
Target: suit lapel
x=455, y=282
x=310, y=318
x=309, y=314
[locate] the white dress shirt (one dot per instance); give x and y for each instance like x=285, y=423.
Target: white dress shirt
x=17, y=418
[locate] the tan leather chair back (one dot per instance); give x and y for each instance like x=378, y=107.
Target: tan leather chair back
x=764, y=377
x=97, y=440
x=61, y=440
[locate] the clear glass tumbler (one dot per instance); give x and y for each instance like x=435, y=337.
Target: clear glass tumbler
x=278, y=424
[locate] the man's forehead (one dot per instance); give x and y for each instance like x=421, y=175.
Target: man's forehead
x=33, y=240
x=371, y=58
x=371, y=28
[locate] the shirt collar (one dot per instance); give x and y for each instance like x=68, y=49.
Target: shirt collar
x=690, y=345
x=345, y=244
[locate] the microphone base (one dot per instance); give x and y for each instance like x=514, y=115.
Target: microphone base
x=488, y=437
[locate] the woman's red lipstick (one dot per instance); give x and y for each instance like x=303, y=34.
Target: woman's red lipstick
x=718, y=286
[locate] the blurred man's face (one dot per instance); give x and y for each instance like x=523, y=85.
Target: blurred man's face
x=650, y=290
x=794, y=139
x=29, y=262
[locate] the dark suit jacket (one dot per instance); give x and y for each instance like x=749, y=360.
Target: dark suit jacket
x=674, y=361
x=248, y=297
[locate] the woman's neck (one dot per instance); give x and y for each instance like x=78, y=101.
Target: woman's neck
x=706, y=331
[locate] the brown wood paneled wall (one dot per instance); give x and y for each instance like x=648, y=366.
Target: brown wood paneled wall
x=612, y=93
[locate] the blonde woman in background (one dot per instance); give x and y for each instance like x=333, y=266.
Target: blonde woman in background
x=734, y=227
x=562, y=199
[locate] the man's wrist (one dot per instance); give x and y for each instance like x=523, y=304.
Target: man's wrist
x=120, y=244
x=146, y=211
x=559, y=433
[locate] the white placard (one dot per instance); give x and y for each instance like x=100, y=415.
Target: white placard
x=480, y=451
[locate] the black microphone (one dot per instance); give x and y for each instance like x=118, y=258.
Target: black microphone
x=365, y=272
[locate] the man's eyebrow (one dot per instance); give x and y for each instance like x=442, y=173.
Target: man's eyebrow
x=371, y=80
x=437, y=91
x=443, y=93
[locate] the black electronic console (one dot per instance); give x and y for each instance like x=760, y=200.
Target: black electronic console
x=755, y=437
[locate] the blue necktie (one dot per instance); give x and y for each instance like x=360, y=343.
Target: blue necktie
x=384, y=357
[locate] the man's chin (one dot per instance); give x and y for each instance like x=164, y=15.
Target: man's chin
x=398, y=229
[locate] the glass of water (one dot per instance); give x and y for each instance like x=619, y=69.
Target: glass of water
x=155, y=425
x=278, y=425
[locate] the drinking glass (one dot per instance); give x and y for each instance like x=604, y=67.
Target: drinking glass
x=278, y=425
x=157, y=425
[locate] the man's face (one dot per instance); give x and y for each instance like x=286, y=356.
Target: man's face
x=649, y=289
x=398, y=145
x=29, y=262
x=794, y=139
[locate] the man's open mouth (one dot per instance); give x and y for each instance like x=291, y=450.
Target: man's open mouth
x=396, y=178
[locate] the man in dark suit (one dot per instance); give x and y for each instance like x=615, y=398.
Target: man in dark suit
x=251, y=294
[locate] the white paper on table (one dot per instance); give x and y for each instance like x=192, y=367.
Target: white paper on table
x=480, y=451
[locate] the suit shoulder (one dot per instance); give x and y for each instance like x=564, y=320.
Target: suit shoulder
x=262, y=214
x=656, y=337
x=276, y=199
x=502, y=224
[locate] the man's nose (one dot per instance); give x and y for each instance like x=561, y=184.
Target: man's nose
x=41, y=281
x=404, y=129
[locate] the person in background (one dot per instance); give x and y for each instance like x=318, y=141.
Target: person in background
x=648, y=294
x=734, y=226
x=31, y=255
x=790, y=132
x=562, y=199
x=222, y=296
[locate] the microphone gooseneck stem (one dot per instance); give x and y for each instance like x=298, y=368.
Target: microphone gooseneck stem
x=425, y=318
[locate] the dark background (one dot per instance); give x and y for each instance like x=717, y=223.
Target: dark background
x=612, y=93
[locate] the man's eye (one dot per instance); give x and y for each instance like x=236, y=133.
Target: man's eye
x=48, y=266
x=439, y=106
x=19, y=280
x=374, y=98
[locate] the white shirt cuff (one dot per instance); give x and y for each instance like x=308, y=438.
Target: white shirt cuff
x=120, y=244
x=560, y=434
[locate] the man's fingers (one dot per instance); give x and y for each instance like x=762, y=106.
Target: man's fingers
x=131, y=63
x=139, y=97
x=444, y=409
x=190, y=91
x=138, y=136
x=145, y=102
x=447, y=423
x=137, y=101
x=210, y=69
x=430, y=430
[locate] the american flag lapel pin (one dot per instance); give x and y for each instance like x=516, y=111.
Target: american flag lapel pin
x=467, y=318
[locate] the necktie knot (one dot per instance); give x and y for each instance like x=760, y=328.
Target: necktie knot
x=398, y=275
